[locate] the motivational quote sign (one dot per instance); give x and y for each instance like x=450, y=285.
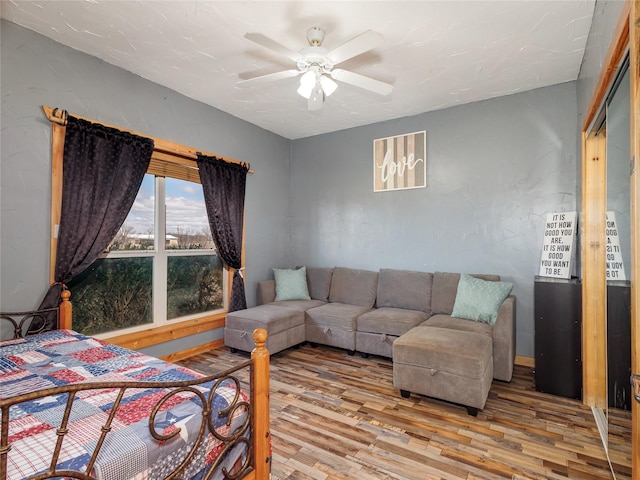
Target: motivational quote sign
x=557, y=247
x=615, y=266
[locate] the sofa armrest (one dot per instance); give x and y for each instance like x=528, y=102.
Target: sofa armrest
x=504, y=340
x=266, y=292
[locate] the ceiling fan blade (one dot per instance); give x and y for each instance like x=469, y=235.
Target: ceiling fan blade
x=268, y=78
x=362, y=43
x=266, y=42
x=357, y=80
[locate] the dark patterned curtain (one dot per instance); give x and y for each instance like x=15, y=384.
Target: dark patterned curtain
x=224, y=185
x=103, y=169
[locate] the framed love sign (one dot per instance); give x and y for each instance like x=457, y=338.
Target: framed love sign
x=400, y=162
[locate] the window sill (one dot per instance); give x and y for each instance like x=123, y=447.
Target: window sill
x=165, y=333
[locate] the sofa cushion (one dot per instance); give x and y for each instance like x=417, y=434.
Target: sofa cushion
x=291, y=284
x=404, y=289
x=341, y=315
x=353, y=286
x=390, y=321
x=300, y=305
x=445, y=287
x=460, y=324
x=285, y=327
x=265, y=291
x=319, y=282
x=272, y=318
x=459, y=353
x=479, y=300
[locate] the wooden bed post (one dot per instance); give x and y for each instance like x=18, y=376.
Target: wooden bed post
x=65, y=311
x=260, y=384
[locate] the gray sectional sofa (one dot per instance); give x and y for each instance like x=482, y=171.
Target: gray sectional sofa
x=400, y=314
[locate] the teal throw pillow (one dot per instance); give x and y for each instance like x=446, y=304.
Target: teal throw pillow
x=479, y=299
x=291, y=284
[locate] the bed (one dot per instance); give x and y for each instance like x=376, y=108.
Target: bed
x=73, y=406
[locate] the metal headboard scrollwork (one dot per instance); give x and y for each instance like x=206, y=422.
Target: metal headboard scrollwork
x=211, y=417
x=35, y=322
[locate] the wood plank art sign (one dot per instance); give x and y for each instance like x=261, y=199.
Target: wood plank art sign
x=400, y=162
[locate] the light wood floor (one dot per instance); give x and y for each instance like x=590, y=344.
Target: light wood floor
x=335, y=416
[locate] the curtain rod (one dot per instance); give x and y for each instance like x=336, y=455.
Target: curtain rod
x=59, y=116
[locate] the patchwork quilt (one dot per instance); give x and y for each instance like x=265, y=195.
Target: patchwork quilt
x=129, y=451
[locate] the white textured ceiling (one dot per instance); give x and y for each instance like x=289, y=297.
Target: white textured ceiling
x=436, y=53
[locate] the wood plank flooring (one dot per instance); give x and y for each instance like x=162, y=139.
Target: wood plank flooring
x=335, y=416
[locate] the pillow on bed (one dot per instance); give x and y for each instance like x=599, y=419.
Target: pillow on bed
x=291, y=284
x=479, y=299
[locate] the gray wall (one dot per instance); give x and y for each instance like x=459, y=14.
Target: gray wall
x=36, y=71
x=494, y=170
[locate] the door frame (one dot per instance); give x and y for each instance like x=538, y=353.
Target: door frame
x=626, y=38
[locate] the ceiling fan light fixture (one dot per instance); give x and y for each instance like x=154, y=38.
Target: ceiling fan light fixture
x=307, y=84
x=328, y=85
x=305, y=91
x=316, y=65
x=316, y=99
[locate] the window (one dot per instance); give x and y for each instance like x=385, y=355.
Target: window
x=162, y=314
x=161, y=266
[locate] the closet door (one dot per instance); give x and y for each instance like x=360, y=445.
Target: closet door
x=618, y=247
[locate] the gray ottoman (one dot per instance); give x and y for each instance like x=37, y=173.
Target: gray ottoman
x=450, y=365
x=285, y=327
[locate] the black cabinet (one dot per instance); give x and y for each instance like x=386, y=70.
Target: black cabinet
x=619, y=344
x=558, y=324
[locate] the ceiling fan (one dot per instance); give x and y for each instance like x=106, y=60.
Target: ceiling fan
x=315, y=63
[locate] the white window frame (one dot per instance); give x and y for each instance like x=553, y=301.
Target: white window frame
x=161, y=255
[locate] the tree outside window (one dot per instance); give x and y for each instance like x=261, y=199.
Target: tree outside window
x=161, y=265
